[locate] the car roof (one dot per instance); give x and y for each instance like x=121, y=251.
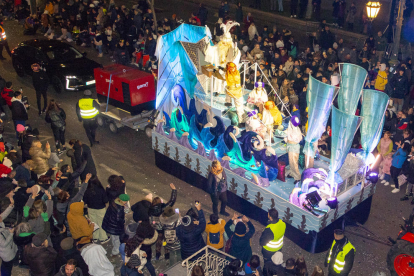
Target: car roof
x=44, y=43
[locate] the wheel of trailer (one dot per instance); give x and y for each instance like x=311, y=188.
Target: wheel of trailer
x=113, y=128
x=18, y=67
x=100, y=121
x=148, y=130
x=400, y=259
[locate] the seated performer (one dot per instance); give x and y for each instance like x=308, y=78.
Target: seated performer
x=258, y=96
x=271, y=110
x=254, y=124
x=234, y=90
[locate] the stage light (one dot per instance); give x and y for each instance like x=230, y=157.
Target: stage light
x=372, y=176
x=332, y=202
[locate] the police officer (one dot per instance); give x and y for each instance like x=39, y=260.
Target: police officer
x=87, y=109
x=271, y=239
x=340, y=257
x=3, y=40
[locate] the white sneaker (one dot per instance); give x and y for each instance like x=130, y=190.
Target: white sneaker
x=291, y=16
x=100, y=55
x=383, y=181
x=83, y=44
x=392, y=186
x=395, y=191
x=386, y=183
x=381, y=176
x=294, y=16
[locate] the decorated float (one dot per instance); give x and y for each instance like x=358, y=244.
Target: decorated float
x=206, y=113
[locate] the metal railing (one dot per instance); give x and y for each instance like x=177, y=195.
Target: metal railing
x=211, y=261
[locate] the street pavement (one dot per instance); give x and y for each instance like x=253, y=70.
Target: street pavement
x=129, y=153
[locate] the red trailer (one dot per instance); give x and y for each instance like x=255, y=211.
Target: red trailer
x=126, y=96
x=131, y=89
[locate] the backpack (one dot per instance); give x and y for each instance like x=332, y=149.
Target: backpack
x=214, y=237
x=57, y=120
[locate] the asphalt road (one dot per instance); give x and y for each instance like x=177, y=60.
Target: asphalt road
x=129, y=153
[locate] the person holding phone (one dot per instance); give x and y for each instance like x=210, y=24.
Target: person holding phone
x=40, y=157
x=217, y=187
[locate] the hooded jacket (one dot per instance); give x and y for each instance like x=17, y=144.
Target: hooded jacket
x=95, y=257
x=41, y=260
x=190, y=236
x=212, y=230
x=382, y=79
x=114, y=219
x=240, y=244
x=19, y=111
x=79, y=226
x=40, y=159
x=140, y=210
x=8, y=248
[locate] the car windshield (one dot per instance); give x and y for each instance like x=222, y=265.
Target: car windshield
x=63, y=54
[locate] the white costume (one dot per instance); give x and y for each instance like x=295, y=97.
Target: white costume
x=258, y=95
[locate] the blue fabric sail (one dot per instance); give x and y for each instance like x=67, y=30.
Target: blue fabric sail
x=352, y=82
x=319, y=99
x=374, y=105
x=175, y=66
x=344, y=127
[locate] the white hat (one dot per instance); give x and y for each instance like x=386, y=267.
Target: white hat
x=91, y=6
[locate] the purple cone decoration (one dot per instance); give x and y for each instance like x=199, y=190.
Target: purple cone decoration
x=225, y=163
x=263, y=182
x=160, y=128
x=172, y=135
x=240, y=171
x=200, y=149
x=184, y=142
x=212, y=155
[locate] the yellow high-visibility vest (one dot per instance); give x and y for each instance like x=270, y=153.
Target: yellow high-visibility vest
x=2, y=34
x=278, y=230
x=340, y=258
x=87, y=111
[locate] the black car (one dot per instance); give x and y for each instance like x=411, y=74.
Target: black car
x=68, y=69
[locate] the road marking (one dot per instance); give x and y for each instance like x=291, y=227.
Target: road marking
x=109, y=169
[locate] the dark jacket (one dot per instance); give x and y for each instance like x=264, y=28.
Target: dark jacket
x=95, y=198
x=77, y=272
x=410, y=176
x=84, y=153
x=19, y=112
x=190, y=237
x=113, y=194
x=114, y=219
x=349, y=258
x=65, y=255
x=240, y=245
x=212, y=183
x=23, y=173
x=140, y=210
x=41, y=260
x=400, y=86
x=20, y=198
x=67, y=180
x=25, y=145
x=271, y=269
x=40, y=80
x=157, y=210
x=56, y=118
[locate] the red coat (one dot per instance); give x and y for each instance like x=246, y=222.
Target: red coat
x=7, y=95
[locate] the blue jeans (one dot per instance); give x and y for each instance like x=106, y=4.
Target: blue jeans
x=18, y=122
x=126, y=271
x=280, y=5
x=99, y=47
x=6, y=268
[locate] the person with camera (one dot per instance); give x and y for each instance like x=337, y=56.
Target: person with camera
x=217, y=187
x=240, y=239
x=19, y=111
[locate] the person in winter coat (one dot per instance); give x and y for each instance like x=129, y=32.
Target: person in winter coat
x=40, y=84
x=121, y=53
x=40, y=256
x=410, y=177
x=8, y=248
x=202, y=14
x=115, y=188
x=19, y=110
x=275, y=266
x=67, y=252
x=170, y=220
x=132, y=265
x=26, y=138
x=150, y=236
x=240, y=240
x=400, y=87
x=217, y=187
x=190, y=233
x=40, y=158
x=382, y=78
x=68, y=179
x=384, y=148
x=155, y=211
x=215, y=230
x=94, y=256
x=70, y=269
x=398, y=160
x=95, y=197
x=83, y=152
x=56, y=116
x=7, y=95
x=141, y=208
x=114, y=221
x=80, y=227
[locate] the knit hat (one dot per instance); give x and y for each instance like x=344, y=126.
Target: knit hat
x=169, y=216
x=87, y=92
x=240, y=229
x=130, y=229
x=20, y=128
x=6, y=188
x=295, y=121
x=7, y=162
x=67, y=243
x=277, y=258
x=124, y=197
x=39, y=239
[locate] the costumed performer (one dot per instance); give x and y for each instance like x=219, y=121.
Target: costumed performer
x=271, y=110
x=258, y=96
x=234, y=90
x=292, y=139
x=226, y=42
x=254, y=124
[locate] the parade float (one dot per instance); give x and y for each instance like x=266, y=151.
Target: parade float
x=206, y=113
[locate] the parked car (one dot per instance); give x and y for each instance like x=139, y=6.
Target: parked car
x=68, y=69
